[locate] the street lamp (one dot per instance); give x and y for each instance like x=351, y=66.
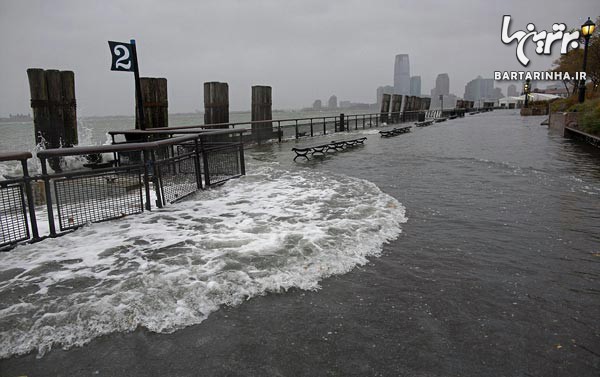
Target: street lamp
x=586, y=30
x=526, y=90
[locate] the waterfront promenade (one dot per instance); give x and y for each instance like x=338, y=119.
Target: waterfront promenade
x=495, y=271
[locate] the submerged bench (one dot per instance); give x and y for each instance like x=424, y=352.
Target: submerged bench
x=324, y=148
x=395, y=131
x=424, y=123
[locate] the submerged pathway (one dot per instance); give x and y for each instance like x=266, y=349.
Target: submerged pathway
x=495, y=272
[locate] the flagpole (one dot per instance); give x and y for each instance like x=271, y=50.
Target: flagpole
x=138, y=87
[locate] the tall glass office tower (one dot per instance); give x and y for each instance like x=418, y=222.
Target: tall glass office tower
x=402, y=75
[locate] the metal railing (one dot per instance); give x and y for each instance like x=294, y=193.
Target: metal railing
x=17, y=213
x=171, y=168
x=281, y=129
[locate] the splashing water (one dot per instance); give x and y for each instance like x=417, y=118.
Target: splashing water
x=266, y=232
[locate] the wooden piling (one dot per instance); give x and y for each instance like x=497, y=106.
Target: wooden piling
x=54, y=87
x=216, y=103
x=39, y=104
x=426, y=103
x=69, y=107
x=262, y=110
x=155, y=103
x=396, y=107
x=54, y=108
x=385, y=107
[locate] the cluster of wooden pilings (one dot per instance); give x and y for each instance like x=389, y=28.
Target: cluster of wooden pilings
x=54, y=108
x=55, y=118
x=392, y=105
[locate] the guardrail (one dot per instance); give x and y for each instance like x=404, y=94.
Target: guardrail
x=140, y=176
x=284, y=128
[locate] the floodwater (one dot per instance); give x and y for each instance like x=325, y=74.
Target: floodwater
x=470, y=247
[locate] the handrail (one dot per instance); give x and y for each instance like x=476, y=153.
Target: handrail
x=74, y=151
x=219, y=125
x=176, y=130
x=127, y=147
x=14, y=156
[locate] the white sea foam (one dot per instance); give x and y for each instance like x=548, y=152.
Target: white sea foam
x=167, y=269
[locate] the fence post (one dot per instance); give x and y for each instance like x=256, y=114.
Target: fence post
x=147, y=165
x=324, y=127
x=242, y=160
x=296, y=127
x=46, y=179
x=278, y=131
x=311, y=127
x=342, y=126
x=205, y=163
x=157, y=179
x=30, y=200
x=197, y=162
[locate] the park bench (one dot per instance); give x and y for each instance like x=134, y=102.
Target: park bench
x=334, y=145
x=395, y=131
x=424, y=123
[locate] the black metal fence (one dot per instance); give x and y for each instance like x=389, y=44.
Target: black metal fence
x=17, y=213
x=139, y=176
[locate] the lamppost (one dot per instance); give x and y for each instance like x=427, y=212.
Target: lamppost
x=442, y=100
x=526, y=90
x=586, y=30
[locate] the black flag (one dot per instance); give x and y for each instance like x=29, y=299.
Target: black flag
x=122, y=56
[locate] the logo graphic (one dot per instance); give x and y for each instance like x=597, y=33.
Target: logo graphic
x=543, y=40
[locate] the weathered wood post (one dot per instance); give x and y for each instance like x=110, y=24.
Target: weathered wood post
x=69, y=107
x=261, y=110
x=216, y=103
x=54, y=108
x=155, y=103
x=385, y=107
x=425, y=103
x=396, y=107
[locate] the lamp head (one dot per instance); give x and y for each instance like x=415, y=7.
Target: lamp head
x=588, y=28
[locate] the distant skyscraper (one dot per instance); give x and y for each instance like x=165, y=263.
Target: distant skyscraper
x=402, y=74
x=442, y=83
x=512, y=91
x=442, y=86
x=415, y=86
x=481, y=89
x=332, y=103
x=317, y=105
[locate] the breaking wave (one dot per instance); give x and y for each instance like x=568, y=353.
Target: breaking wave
x=167, y=269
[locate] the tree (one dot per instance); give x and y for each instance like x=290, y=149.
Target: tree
x=572, y=61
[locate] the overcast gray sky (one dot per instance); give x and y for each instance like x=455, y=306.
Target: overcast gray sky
x=304, y=49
